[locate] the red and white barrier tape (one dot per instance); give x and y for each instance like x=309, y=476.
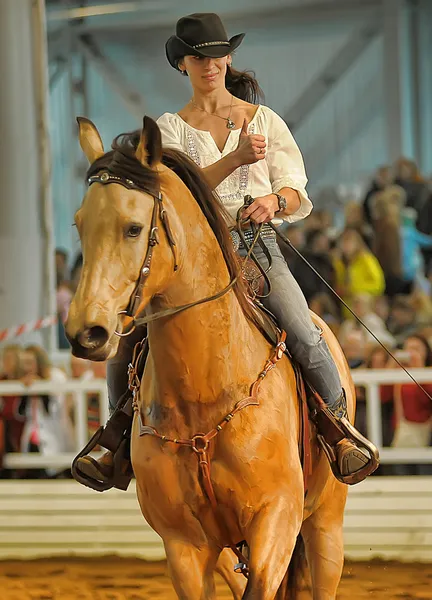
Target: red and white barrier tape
x=13, y=332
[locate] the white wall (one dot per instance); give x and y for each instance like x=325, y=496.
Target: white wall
x=385, y=517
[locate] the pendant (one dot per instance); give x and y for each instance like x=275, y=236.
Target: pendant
x=230, y=124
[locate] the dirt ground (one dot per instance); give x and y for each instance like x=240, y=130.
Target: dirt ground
x=132, y=579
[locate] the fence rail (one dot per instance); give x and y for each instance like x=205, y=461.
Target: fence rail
x=371, y=380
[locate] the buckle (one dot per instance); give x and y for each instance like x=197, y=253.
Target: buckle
x=280, y=349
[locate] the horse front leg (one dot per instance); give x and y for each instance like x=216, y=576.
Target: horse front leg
x=191, y=569
x=322, y=533
x=225, y=567
x=271, y=539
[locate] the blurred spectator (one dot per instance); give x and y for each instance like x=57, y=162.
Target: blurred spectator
x=402, y=319
x=382, y=308
x=317, y=253
x=64, y=293
x=76, y=272
x=63, y=297
x=295, y=234
x=353, y=344
x=379, y=359
x=422, y=304
x=48, y=428
x=386, y=221
x=61, y=258
x=354, y=219
x=325, y=307
x=413, y=408
x=424, y=225
x=357, y=269
x=86, y=370
x=375, y=358
x=11, y=421
x=318, y=219
x=412, y=242
x=410, y=179
x=362, y=305
x=382, y=179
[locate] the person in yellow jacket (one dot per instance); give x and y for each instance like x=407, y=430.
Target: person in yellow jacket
x=357, y=269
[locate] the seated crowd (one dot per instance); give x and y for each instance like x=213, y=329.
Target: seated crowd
x=380, y=264
x=42, y=423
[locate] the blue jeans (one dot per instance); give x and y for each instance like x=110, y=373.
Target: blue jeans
x=304, y=339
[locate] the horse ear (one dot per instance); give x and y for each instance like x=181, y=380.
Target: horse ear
x=89, y=139
x=149, y=150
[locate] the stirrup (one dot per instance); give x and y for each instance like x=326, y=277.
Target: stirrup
x=349, y=432
x=121, y=475
x=242, y=566
x=81, y=477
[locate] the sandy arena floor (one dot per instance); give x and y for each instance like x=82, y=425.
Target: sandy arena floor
x=122, y=579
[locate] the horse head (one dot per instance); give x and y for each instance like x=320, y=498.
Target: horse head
x=118, y=224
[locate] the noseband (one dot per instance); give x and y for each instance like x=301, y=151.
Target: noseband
x=105, y=178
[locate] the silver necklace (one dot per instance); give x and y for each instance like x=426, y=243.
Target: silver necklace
x=229, y=122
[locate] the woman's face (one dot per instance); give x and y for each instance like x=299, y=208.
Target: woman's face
x=349, y=244
x=379, y=359
x=416, y=349
x=10, y=363
x=206, y=74
x=29, y=363
x=361, y=305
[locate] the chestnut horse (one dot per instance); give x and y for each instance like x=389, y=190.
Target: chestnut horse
x=201, y=362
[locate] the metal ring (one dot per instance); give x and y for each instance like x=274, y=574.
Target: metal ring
x=203, y=443
x=117, y=333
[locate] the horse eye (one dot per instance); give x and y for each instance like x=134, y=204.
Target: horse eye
x=133, y=231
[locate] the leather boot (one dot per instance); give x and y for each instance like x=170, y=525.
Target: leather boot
x=350, y=458
x=101, y=469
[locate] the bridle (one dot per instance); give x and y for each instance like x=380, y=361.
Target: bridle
x=105, y=177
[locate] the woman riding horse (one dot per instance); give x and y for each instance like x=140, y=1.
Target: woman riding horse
x=242, y=149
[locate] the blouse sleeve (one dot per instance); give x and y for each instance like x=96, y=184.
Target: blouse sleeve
x=170, y=132
x=285, y=164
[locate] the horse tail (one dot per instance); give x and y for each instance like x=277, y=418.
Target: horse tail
x=297, y=578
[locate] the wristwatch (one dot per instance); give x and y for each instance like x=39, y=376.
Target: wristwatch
x=282, y=202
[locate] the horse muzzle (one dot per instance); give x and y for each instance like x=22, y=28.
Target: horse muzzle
x=91, y=342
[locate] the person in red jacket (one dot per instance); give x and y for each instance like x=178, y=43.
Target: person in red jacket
x=11, y=421
x=413, y=408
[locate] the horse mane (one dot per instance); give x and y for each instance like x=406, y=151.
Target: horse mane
x=121, y=161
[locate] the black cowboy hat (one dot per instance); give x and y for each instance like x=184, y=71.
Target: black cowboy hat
x=200, y=34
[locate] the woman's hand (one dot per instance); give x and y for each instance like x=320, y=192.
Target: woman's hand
x=251, y=147
x=416, y=360
x=29, y=378
x=262, y=209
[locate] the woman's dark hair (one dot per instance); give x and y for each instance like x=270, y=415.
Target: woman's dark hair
x=243, y=85
x=421, y=338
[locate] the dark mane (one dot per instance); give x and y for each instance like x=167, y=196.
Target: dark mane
x=121, y=161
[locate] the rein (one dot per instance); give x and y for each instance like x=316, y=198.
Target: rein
x=359, y=320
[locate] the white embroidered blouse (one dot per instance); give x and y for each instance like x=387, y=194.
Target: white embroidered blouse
x=282, y=167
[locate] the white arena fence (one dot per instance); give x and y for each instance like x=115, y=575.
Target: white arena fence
x=77, y=391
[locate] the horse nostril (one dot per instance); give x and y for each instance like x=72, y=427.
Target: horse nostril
x=93, y=337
